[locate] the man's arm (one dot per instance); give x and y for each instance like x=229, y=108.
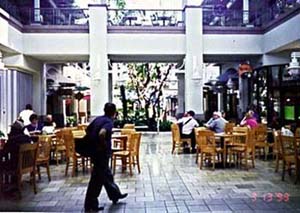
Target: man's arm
x=102, y=146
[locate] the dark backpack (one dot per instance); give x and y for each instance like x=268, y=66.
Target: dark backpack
x=85, y=147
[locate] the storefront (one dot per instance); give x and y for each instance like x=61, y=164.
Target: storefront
x=276, y=93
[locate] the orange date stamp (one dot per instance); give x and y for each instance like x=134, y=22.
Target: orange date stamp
x=272, y=196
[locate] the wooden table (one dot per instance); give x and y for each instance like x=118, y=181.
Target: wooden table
x=227, y=143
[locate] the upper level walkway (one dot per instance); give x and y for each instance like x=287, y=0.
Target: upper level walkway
x=62, y=34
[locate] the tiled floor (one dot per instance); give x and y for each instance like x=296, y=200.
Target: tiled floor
x=167, y=183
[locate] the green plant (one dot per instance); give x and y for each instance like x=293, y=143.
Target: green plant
x=2, y=134
x=71, y=120
x=165, y=125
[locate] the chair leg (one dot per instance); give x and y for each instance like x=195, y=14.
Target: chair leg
x=201, y=160
x=138, y=163
x=67, y=166
x=253, y=159
x=56, y=157
x=39, y=172
x=48, y=171
x=283, y=170
x=130, y=165
x=33, y=181
x=266, y=152
x=173, y=148
x=277, y=162
x=74, y=166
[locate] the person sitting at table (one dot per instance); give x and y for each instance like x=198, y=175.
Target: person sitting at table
x=249, y=121
x=188, y=124
x=49, y=125
x=34, y=126
x=216, y=123
x=16, y=137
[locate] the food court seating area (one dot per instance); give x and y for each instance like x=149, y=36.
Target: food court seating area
x=241, y=147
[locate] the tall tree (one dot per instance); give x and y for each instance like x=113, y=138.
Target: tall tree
x=147, y=81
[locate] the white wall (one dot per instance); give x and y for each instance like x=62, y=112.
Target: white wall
x=282, y=35
x=56, y=43
x=146, y=44
x=232, y=44
x=9, y=36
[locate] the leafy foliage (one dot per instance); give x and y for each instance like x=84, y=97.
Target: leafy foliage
x=2, y=134
x=147, y=81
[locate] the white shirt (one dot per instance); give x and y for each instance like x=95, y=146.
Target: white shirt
x=189, y=126
x=25, y=114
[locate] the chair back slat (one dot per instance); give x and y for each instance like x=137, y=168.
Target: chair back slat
x=229, y=128
x=288, y=147
x=206, y=139
x=44, y=147
x=27, y=157
x=175, y=132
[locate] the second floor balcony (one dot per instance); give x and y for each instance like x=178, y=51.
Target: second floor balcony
x=213, y=19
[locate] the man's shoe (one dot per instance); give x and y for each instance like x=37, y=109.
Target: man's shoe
x=94, y=209
x=120, y=197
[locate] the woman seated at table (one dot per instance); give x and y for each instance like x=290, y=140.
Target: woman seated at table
x=49, y=125
x=34, y=127
x=249, y=121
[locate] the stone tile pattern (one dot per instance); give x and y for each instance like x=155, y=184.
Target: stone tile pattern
x=167, y=183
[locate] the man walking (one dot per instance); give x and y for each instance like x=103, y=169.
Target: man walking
x=99, y=134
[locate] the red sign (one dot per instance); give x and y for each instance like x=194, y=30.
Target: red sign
x=244, y=68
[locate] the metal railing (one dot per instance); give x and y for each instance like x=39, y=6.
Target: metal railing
x=141, y=17
x=54, y=16
x=240, y=18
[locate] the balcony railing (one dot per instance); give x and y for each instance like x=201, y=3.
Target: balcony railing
x=54, y=16
x=238, y=18
x=162, y=18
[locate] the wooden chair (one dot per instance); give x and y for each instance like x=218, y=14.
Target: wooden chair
x=131, y=155
x=72, y=158
x=198, y=143
x=208, y=146
x=43, y=155
x=177, y=141
x=277, y=149
x=229, y=128
x=244, y=148
x=261, y=139
x=25, y=162
x=290, y=155
x=59, y=145
x=128, y=126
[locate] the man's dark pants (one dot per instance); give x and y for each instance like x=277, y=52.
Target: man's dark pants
x=101, y=176
x=192, y=137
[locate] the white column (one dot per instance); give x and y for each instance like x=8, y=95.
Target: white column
x=37, y=12
x=194, y=60
x=98, y=58
x=245, y=12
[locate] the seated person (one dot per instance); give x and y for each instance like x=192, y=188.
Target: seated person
x=188, y=125
x=16, y=137
x=216, y=123
x=49, y=125
x=249, y=121
x=34, y=126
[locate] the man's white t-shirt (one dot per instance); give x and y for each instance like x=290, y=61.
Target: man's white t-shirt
x=189, y=123
x=25, y=114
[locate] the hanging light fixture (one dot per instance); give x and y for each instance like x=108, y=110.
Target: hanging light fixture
x=294, y=67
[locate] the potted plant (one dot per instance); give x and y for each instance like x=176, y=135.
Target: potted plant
x=2, y=138
x=71, y=121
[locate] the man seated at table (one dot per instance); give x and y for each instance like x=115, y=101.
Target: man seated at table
x=34, y=127
x=216, y=123
x=188, y=124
